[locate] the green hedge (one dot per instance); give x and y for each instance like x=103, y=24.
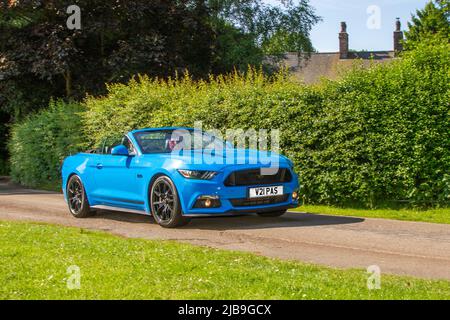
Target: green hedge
x=376, y=135
x=384, y=134
x=39, y=144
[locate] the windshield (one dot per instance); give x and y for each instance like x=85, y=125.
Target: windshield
x=166, y=141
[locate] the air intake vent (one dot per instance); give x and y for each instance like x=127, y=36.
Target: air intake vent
x=259, y=201
x=253, y=177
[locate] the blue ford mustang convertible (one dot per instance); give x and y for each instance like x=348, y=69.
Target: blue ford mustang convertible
x=175, y=174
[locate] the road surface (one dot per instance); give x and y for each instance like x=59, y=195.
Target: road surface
x=397, y=247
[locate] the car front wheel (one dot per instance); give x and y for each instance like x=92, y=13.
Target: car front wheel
x=76, y=198
x=165, y=204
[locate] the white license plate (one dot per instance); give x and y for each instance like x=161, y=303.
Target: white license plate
x=265, y=191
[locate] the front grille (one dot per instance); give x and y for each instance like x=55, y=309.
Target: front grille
x=254, y=177
x=246, y=202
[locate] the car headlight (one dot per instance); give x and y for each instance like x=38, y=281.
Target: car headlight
x=197, y=174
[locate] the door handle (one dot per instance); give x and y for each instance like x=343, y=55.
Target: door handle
x=99, y=166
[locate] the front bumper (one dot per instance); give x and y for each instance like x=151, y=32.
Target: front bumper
x=238, y=212
x=191, y=190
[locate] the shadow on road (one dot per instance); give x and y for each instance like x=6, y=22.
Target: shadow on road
x=12, y=192
x=289, y=220
x=8, y=188
x=124, y=216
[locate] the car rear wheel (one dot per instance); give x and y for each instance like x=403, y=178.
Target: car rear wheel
x=165, y=204
x=272, y=213
x=76, y=198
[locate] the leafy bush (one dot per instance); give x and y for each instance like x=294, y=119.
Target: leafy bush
x=4, y=167
x=39, y=144
x=235, y=101
x=384, y=133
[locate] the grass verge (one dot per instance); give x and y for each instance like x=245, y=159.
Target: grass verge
x=35, y=259
x=441, y=215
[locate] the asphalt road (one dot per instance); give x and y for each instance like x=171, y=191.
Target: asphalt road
x=397, y=247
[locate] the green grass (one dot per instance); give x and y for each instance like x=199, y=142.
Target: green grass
x=34, y=259
x=441, y=215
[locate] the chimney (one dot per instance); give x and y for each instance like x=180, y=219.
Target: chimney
x=398, y=37
x=343, y=41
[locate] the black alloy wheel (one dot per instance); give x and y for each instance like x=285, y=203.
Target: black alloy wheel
x=76, y=198
x=165, y=204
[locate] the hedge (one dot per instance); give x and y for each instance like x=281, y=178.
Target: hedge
x=39, y=144
x=383, y=134
x=377, y=135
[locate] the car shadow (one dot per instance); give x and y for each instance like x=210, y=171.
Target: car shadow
x=123, y=216
x=289, y=220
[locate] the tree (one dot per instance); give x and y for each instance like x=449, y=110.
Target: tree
x=433, y=21
x=234, y=49
x=40, y=57
x=116, y=41
x=247, y=31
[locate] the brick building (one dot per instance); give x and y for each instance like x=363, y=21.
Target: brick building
x=331, y=64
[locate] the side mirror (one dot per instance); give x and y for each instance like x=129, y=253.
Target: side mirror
x=120, y=150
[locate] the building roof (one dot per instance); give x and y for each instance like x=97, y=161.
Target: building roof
x=329, y=65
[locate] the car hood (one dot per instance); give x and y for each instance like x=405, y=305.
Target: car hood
x=194, y=159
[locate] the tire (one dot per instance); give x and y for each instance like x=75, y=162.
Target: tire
x=165, y=204
x=272, y=214
x=77, y=199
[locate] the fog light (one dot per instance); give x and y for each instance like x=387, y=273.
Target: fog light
x=207, y=202
x=294, y=195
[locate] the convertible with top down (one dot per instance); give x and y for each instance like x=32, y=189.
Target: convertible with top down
x=175, y=174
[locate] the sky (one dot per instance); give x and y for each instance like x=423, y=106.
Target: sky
x=370, y=23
